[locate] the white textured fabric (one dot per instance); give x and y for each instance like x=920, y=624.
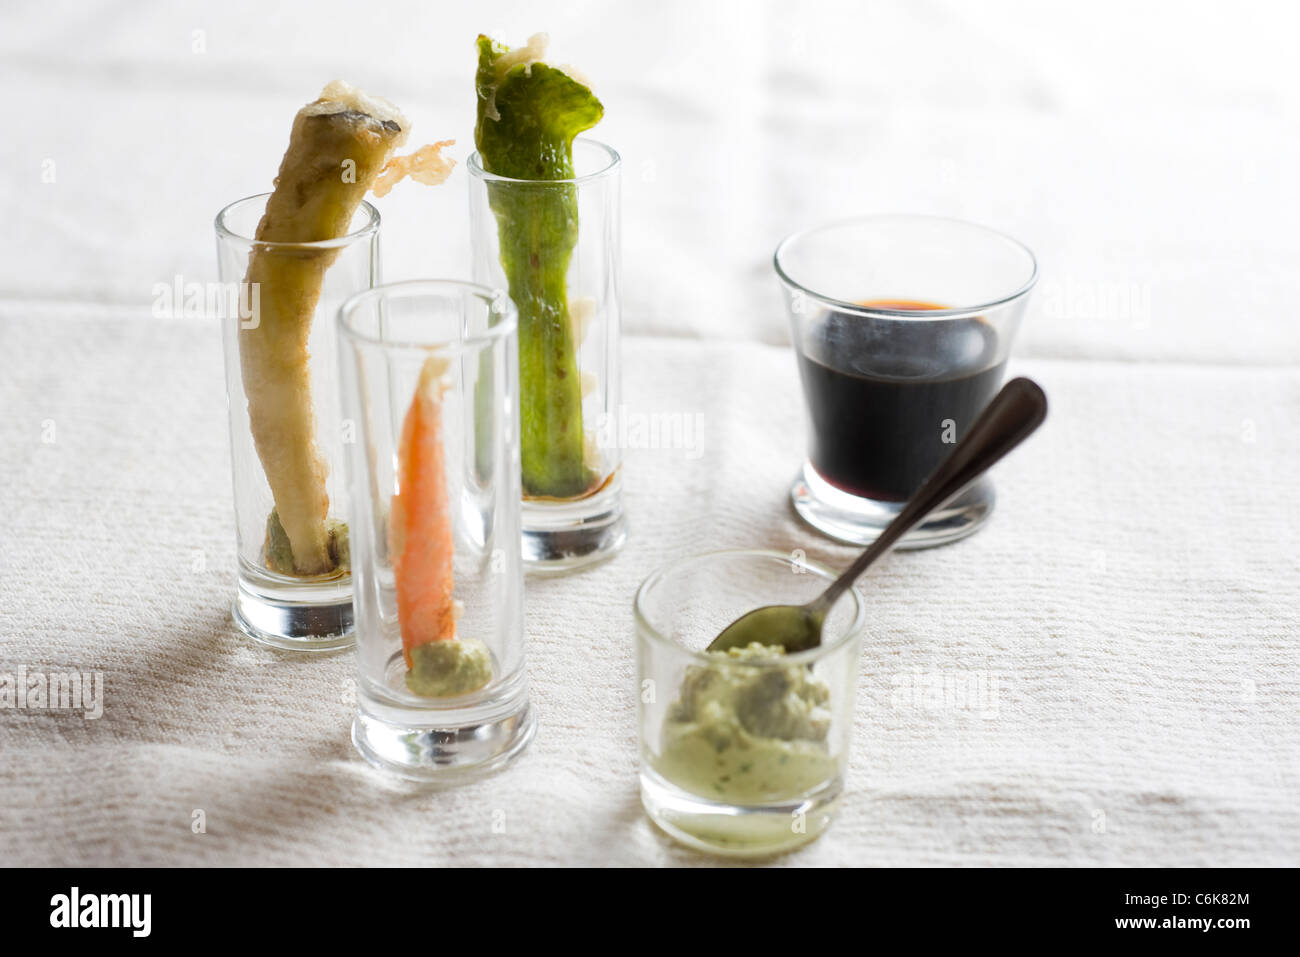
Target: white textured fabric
x=1131, y=610
x=1133, y=600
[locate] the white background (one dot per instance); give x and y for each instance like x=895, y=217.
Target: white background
x=1144, y=150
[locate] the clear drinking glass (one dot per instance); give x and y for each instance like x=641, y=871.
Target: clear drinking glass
x=902, y=326
x=429, y=379
x=298, y=599
x=563, y=275
x=742, y=755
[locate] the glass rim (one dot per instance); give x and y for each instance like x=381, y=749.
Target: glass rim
x=369, y=227
x=913, y=315
x=702, y=657
x=474, y=163
x=496, y=300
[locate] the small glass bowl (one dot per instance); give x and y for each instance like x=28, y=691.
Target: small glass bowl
x=742, y=755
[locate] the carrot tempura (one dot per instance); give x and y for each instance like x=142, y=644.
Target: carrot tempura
x=420, y=521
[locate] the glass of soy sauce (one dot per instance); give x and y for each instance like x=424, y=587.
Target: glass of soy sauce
x=901, y=327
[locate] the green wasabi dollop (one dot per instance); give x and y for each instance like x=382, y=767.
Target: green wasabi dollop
x=444, y=669
x=279, y=553
x=748, y=734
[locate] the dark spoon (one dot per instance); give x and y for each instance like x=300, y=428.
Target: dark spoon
x=1014, y=413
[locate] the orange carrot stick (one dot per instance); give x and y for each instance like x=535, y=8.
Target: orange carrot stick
x=420, y=538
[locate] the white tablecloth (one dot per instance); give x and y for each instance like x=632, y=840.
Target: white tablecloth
x=1132, y=603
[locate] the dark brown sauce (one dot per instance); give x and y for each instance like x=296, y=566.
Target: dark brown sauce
x=888, y=398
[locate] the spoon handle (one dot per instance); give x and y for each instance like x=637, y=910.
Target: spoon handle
x=1007, y=421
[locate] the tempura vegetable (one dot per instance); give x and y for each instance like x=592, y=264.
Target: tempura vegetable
x=528, y=115
x=421, y=545
x=420, y=538
x=339, y=146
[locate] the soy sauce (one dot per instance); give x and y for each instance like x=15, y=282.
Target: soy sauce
x=888, y=398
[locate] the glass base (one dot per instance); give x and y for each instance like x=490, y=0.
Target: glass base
x=731, y=831
x=558, y=536
x=297, y=623
x=443, y=754
x=859, y=521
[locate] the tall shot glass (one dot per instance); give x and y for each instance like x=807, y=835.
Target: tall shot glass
x=902, y=326
x=429, y=379
x=282, y=391
x=554, y=245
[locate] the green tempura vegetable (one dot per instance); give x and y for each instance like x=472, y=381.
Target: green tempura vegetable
x=528, y=115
